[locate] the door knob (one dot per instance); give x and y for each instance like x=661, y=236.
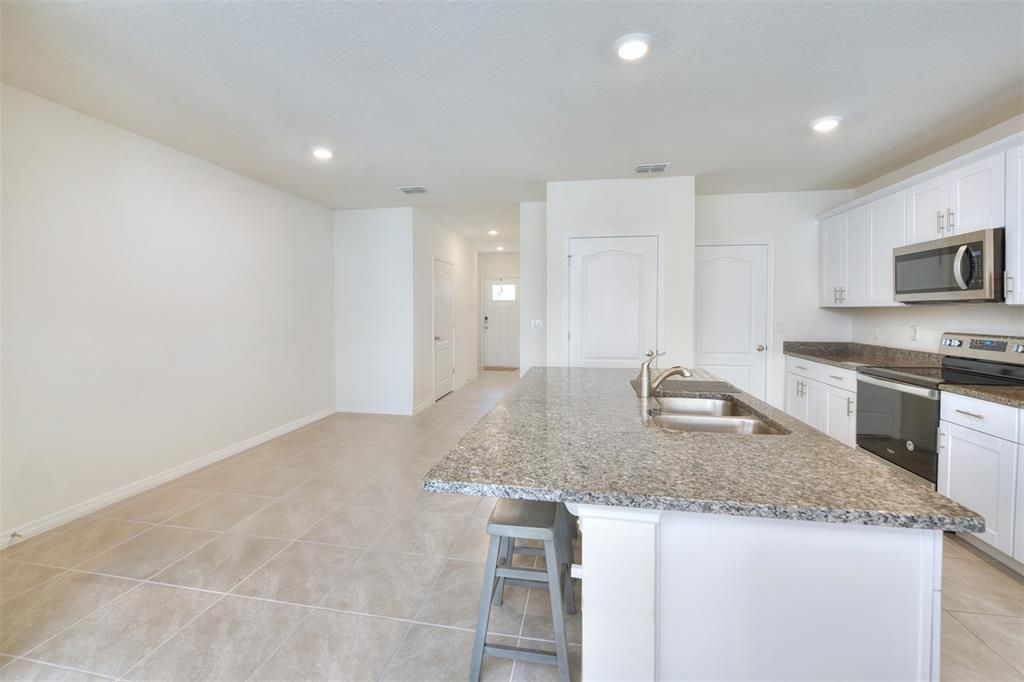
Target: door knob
x=437, y=338
x=761, y=347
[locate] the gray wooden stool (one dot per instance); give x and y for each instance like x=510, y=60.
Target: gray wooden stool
x=548, y=523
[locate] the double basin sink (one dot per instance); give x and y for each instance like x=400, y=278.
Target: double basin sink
x=708, y=415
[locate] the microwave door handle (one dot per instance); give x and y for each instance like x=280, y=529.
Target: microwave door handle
x=958, y=266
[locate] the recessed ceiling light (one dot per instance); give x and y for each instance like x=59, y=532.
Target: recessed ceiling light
x=323, y=153
x=633, y=47
x=826, y=124
x=501, y=248
x=492, y=232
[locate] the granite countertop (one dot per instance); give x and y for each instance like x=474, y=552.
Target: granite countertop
x=1004, y=395
x=850, y=355
x=579, y=435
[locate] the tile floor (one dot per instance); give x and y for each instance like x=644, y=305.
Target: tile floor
x=317, y=556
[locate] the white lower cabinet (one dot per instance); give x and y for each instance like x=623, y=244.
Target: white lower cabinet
x=818, y=403
x=980, y=471
x=1018, y=524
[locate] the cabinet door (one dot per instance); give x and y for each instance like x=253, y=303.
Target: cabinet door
x=977, y=195
x=979, y=471
x=840, y=415
x=885, y=231
x=1018, y=523
x=815, y=393
x=856, y=261
x=833, y=259
x=1015, y=226
x=926, y=211
x=796, y=401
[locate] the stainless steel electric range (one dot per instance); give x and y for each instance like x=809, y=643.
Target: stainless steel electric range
x=898, y=407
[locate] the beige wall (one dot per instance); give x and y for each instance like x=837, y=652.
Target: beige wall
x=647, y=206
x=157, y=310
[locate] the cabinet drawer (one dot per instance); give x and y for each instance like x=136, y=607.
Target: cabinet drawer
x=826, y=374
x=1001, y=421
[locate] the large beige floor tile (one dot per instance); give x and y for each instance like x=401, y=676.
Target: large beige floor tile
x=271, y=454
x=353, y=526
x=273, y=482
x=148, y=553
x=88, y=540
x=965, y=658
x=323, y=456
x=455, y=600
x=329, y=486
x=219, y=477
x=227, y=642
x=119, y=635
x=220, y=512
x=446, y=502
x=979, y=586
x=157, y=505
x=17, y=578
x=424, y=533
x=540, y=672
x=537, y=623
x=287, y=519
x=474, y=541
x=385, y=492
x=22, y=670
x=40, y=613
x=385, y=584
x=303, y=573
x=335, y=646
x=4, y=660
x=434, y=654
x=1002, y=634
x=222, y=563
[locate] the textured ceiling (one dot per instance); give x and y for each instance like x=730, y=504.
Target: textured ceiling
x=485, y=102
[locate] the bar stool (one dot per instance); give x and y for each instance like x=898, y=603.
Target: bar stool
x=548, y=523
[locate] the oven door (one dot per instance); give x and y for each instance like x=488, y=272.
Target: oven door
x=966, y=267
x=899, y=422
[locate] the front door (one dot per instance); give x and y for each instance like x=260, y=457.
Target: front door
x=731, y=314
x=613, y=300
x=444, y=328
x=501, y=322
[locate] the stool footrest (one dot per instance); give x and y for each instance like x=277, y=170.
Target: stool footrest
x=521, y=654
x=536, y=575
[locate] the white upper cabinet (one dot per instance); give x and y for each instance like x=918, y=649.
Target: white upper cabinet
x=833, y=259
x=926, y=211
x=1015, y=226
x=886, y=223
x=858, y=248
x=977, y=198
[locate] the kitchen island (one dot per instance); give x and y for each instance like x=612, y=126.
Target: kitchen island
x=720, y=556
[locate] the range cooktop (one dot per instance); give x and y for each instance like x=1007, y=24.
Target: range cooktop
x=967, y=359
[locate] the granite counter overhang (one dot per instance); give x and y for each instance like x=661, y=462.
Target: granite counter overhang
x=576, y=435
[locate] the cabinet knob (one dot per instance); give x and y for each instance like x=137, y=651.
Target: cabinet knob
x=761, y=348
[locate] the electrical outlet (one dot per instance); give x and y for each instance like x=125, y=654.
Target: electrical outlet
x=536, y=325
x=913, y=332
x=780, y=327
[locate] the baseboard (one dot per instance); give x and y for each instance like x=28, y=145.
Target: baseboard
x=422, y=406
x=81, y=509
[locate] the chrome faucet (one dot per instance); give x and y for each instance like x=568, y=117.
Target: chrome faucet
x=649, y=385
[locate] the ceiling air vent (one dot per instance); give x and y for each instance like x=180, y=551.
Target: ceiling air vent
x=648, y=168
x=413, y=189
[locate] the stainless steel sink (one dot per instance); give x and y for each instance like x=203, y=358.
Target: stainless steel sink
x=708, y=415
x=695, y=406
x=711, y=424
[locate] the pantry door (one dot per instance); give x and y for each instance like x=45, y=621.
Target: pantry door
x=613, y=300
x=731, y=314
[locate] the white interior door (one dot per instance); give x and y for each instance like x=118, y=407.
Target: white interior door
x=731, y=314
x=444, y=328
x=500, y=324
x=613, y=300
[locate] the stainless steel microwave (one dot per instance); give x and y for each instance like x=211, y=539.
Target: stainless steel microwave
x=966, y=267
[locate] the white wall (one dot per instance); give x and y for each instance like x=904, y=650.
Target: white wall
x=786, y=221
x=532, y=284
x=158, y=309
x=373, y=308
x=435, y=241
x=647, y=206
x=498, y=265
x=891, y=326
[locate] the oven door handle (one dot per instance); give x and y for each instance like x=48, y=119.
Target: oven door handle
x=958, y=266
x=919, y=391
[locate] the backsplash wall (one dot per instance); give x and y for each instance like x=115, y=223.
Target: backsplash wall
x=892, y=326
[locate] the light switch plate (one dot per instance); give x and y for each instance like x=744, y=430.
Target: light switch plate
x=536, y=325
x=913, y=332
